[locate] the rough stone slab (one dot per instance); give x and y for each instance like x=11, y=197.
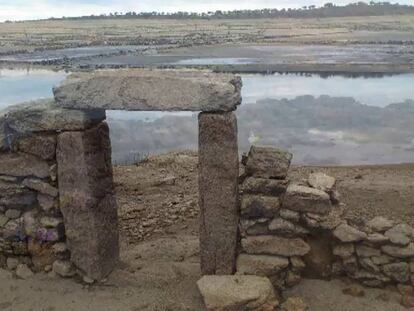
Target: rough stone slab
x=40, y=186
x=150, y=90
x=261, y=265
x=44, y=115
x=346, y=233
x=399, y=252
x=87, y=201
x=304, y=199
x=218, y=187
x=274, y=245
x=264, y=186
x=259, y=206
x=21, y=165
x=267, y=162
x=241, y=292
x=43, y=146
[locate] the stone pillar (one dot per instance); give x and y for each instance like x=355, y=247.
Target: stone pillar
x=218, y=191
x=87, y=199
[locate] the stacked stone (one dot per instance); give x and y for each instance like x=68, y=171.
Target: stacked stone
x=377, y=253
x=32, y=230
x=270, y=246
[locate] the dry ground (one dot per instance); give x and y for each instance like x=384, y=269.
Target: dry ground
x=159, y=256
x=28, y=36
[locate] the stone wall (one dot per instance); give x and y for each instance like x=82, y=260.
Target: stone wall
x=289, y=230
x=32, y=225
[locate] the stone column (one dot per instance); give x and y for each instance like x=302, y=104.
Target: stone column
x=218, y=191
x=87, y=199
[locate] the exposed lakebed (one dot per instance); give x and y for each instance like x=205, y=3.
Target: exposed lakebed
x=322, y=119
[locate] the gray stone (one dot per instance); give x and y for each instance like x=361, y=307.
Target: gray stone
x=261, y=265
x=24, y=272
x=401, y=234
x=264, y=186
x=369, y=265
x=258, y=206
x=382, y=260
x=3, y=220
x=380, y=224
x=45, y=116
x=346, y=233
x=240, y=292
x=22, y=165
x=47, y=202
x=150, y=90
x=399, y=252
x=254, y=226
x=13, y=213
x=377, y=239
x=40, y=186
x=218, y=188
x=297, y=263
x=306, y=199
x=87, y=201
x=63, y=268
x=344, y=250
x=51, y=222
x=399, y=271
x=43, y=146
x=285, y=227
x=267, y=162
x=289, y=215
x=321, y=181
x=366, y=251
x=274, y=245
x=31, y=224
x=13, y=230
x=326, y=222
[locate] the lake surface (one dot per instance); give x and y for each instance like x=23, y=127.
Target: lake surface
x=323, y=120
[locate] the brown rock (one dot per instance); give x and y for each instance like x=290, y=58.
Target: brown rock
x=258, y=206
x=42, y=254
x=294, y=304
x=86, y=200
x=267, y=162
x=264, y=186
x=218, y=187
x=22, y=165
x=305, y=199
x=241, y=292
x=273, y=245
x=43, y=146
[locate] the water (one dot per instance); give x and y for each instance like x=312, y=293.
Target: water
x=322, y=120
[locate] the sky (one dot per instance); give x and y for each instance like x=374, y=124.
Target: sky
x=35, y=9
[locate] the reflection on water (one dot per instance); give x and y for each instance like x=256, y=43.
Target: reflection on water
x=323, y=120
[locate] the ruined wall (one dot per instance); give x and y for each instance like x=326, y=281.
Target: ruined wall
x=32, y=225
x=289, y=230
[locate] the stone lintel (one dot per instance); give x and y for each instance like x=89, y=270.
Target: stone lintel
x=87, y=199
x=150, y=90
x=218, y=190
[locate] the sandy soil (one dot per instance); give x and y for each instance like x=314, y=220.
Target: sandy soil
x=159, y=255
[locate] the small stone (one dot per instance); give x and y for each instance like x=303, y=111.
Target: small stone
x=46, y=202
x=63, y=268
x=368, y=264
x=305, y=199
x=400, y=234
x=382, y=260
x=31, y=225
x=53, y=172
x=40, y=186
x=354, y=291
x=51, y=222
x=50, y=235
x=48, y=268
x=266, y=162
x=24, y=272
x=12, y=263
x=285, y=227
x=321, y=181
x=294, y=304
x=366, y=251
x=3, y=220
x=399, y=271
x=350, y=264
x=297, y=263
x=377, y=239
x=274, y=245
x=254, y=226
x=240, y=292
x=261, y=265
x=399, y=252
x=256, y=206
x=344, y=250
x=292, y=278
x=346, y=233
x=59, y=248
x=13, y=213
x=289, y=215
x=380, y=224
x=88, y=280
x=13, y=230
